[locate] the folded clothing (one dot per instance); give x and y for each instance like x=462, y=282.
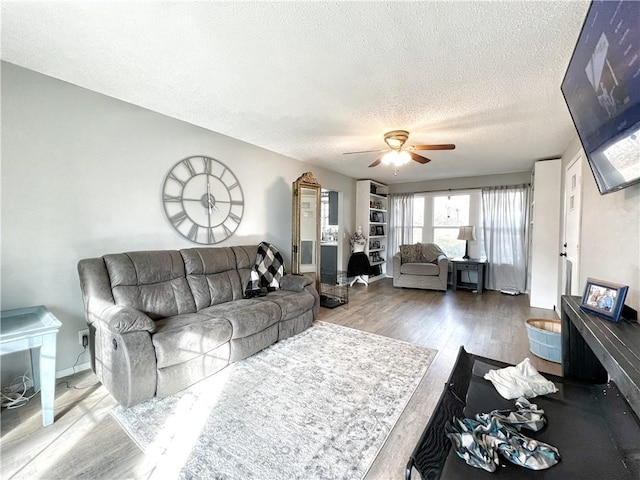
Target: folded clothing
x=523, y=380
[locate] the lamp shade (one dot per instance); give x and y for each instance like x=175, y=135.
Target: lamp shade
x=467, y=233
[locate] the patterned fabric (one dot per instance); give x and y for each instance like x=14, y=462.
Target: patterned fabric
x=268, y=269
x=479, y=441
x=318, y=405
x=411, y=253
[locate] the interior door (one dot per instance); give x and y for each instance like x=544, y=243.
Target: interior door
x=571, y=232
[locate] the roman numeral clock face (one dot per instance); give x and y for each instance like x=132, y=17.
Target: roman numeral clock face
x=203, y=200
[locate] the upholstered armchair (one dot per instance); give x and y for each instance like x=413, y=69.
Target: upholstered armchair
x=423, y=265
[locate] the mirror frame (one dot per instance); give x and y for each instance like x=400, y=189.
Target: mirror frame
x=308, y=181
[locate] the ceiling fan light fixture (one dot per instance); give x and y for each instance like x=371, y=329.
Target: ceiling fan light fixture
x=403, y=158
x=396, y=157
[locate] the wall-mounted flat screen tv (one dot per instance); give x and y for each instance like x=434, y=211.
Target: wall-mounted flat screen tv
x=602, y=90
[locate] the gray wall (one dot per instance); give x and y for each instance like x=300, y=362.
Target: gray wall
x=610, y=231
x=463, y=183
x=82, y=175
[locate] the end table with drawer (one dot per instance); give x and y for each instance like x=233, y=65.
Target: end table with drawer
x=462, y=269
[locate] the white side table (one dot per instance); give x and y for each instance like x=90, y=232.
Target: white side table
x=27, y=329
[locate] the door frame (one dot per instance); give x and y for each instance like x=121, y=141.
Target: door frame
x=579, y=160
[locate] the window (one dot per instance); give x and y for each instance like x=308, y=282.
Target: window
x=449, y=213
x=437, y=218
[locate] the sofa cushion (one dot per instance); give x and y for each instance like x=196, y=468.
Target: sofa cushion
x=291, y=304
x=183, y=337
x=411, y=253
x=212, y=275
x=245, y=261
x=153, y=282
x=420, y=269
x=247, y=317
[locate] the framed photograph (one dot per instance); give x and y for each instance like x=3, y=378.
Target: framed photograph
x=372, y=230
x=379, y=230
x=604, y=298
x=375, y=244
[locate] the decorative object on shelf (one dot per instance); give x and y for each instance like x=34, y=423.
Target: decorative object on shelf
x=467, y=233
x=604, y=298
x=377, y=217
x=358, y=266
x=203, y=200
x=379, y=231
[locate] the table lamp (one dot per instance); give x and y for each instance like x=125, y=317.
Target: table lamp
x=467, y=233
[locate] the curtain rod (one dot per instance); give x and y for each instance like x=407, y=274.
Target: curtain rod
x=447, y=190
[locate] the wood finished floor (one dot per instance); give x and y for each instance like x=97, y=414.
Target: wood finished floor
x=86, y=442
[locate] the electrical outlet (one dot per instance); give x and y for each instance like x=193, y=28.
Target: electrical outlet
x=83, y=333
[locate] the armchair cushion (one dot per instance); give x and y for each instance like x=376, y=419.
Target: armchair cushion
x=411, y=253
x=420, y=269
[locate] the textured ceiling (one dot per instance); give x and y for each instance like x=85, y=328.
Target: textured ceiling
x=311, y=80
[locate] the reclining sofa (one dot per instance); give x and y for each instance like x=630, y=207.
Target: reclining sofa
x=161, y=321
x=422, y=265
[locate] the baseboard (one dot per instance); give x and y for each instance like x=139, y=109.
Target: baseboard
x=70, y=371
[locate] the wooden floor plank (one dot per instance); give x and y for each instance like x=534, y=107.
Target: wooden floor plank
x=86, y=442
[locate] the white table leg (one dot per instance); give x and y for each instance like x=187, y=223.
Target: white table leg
x=48, y=377
x=35, y=368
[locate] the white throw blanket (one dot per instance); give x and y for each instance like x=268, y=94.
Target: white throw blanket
x=523, y=380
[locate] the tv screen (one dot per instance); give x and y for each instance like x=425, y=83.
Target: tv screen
x=602, y=90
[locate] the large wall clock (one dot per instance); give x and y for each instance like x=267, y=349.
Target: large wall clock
x=203, y=200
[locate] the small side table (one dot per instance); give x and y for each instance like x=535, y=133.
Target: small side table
x=461, y=265
x=27, y=329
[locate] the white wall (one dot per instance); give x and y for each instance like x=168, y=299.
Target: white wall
x=610, y=232
x=82, y=175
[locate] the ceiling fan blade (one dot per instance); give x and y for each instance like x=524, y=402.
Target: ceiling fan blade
x=364, y=151
x=377, y=162
x=419, y=158
x=443, y=146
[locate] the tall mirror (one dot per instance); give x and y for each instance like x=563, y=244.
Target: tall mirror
x=305, y=248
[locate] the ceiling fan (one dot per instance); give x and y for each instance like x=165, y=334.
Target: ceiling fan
x=398, y=155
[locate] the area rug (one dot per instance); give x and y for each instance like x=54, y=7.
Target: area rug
x=319, y=405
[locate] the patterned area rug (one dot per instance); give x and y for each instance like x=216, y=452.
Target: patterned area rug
x=319, y=405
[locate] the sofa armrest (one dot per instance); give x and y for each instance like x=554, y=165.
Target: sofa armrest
x=295, y=283
x=443, y=265
x=123, y=319
x=397, y=261
x=443, y=261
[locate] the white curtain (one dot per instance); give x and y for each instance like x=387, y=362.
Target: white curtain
x=400, y=225
x=506, y=212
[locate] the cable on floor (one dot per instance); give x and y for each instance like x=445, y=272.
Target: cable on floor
x=14, y=396
x=76, y=387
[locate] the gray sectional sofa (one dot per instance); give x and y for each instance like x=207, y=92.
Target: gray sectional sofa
x=163, y=320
